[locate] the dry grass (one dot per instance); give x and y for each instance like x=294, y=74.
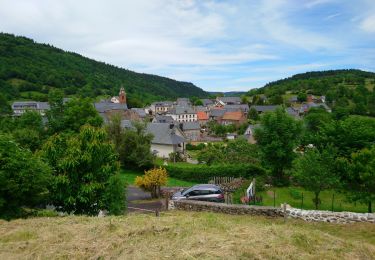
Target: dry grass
x=183, y=235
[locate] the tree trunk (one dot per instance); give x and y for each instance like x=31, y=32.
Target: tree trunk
x=369, y=207
x=316, y=201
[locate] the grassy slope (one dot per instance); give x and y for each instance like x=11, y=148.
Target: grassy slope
x=183, y=235
x=128, y=176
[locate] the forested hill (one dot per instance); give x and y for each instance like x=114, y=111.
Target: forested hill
x=29, y=69
x=350, y=89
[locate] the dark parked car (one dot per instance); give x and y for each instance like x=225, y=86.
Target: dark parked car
x=204, y=192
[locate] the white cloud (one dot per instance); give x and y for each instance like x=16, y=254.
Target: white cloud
x=368, y=24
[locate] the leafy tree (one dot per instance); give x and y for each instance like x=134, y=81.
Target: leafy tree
x=114, y=196
x=56, y=113
x=277, y=137
x=5, y=108
x=152, y=181
x=84, y=165
x=316, y=118
x=302, y=97
x=235, y=152
x=361, y=179
x=24, y=178
x=78, y=112
x=135, y=148
x=314, y=170
x=253, y=114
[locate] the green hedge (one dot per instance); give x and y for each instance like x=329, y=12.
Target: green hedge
x=203, y=173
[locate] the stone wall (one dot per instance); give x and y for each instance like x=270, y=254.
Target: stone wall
x=233, y=209
x=307, y=215
x=329, y=216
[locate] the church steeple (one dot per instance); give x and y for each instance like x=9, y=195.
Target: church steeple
x=122, y=95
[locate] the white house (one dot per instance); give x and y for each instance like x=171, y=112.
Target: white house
x=167, y=138
x=183, y=114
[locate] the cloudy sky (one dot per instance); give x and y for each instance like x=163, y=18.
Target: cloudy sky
x=218, y=45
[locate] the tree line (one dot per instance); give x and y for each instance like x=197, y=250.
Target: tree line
x=29, y=70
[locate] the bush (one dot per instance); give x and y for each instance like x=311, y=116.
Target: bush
x=176, y=157
x=152, y=181
x=203, y=173
x=192, y=147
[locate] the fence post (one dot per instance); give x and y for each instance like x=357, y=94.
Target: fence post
x=333, y=198
x=302, y=201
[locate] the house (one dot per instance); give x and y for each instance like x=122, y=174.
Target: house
x=20, y=107
x=249, y=134
x=162, y=119
x=242, y=107
x=140, y=112
x=191, y=130
x=207, y=102
x=202, y=117
x=263, y=109
x=236, y=118
x=106, y=108
x=229, y=100
x=167, y=138
x=183, y=114
x=216, y=114
x=292, y=111
x=161, y=107
x=183, y=102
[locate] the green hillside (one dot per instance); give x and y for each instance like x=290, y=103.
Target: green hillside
x=29, y=70
x=351, y=90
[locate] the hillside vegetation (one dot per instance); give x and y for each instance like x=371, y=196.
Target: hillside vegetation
x=351, y=90
x=29, y=70
x=183, y=235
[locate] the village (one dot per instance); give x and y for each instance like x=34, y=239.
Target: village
x=174, y=124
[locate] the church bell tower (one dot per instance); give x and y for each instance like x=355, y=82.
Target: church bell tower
x=122, y=96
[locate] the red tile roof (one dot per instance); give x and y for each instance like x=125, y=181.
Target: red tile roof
x=202, y=115
x=234, y=116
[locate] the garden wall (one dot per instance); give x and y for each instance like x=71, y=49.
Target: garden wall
x=307, y=215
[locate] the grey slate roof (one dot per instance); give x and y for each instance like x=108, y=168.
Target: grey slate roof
x=163, y=103
x=183, y=102
x=140, y=111
x=217, y=112
x=230, y=100
x=265, y=108
x=179, y=110
x=186, y=126
x=163, y=134
x=163, y=119
x=207, y=102
x=30, y=105
x=102, y=107
x=201, y=108
x=242, y=107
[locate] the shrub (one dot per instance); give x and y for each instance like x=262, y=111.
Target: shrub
x=192, y=147
x=203, y=173
x=152, y=181
x=24, y=178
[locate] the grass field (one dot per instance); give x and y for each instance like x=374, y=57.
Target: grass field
x=128, y=176
x=183, y=235
x=293, y=196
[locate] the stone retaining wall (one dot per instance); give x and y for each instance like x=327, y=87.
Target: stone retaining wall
x=233, y=209
x=328, y=216
x=307, y=215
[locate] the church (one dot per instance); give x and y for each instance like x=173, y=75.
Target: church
x=117, y=105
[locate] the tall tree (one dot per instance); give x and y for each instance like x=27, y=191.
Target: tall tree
x=361, y=181
x=277, y=137
x=84, y=167
x=314, y=170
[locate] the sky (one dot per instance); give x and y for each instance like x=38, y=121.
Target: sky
x=218, y=45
